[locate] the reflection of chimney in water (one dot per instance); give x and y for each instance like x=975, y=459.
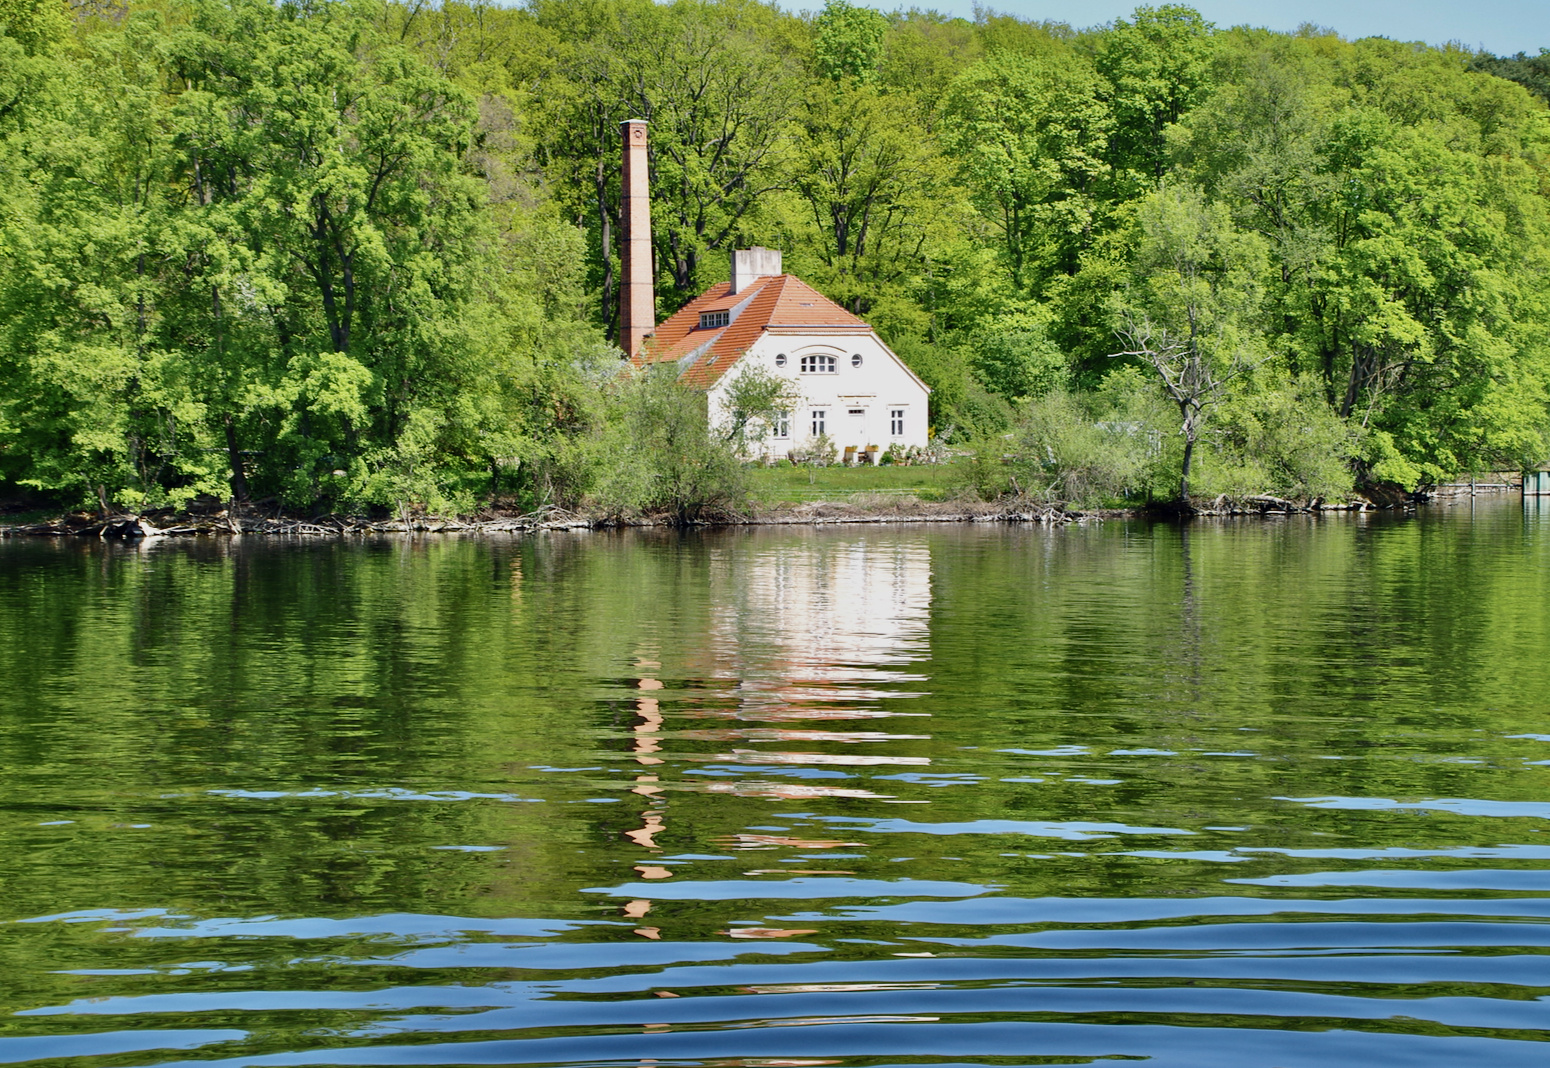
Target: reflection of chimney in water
x=653, y=819
x=637, y=296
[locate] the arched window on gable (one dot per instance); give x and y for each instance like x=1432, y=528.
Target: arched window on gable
x=818, y=364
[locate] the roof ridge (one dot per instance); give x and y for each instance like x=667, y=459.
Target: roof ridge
x=779, y=302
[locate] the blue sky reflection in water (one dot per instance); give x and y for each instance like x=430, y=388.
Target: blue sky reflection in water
x=1241, y=794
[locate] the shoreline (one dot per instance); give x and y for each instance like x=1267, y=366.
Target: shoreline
x=167, y=524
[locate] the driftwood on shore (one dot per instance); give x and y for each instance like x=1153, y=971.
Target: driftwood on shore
x=225, y=523
x=861, y=509
x=1268, y=504
x=163, y=525
x=871, y=509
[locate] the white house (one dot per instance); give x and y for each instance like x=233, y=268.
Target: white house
x=851, y=386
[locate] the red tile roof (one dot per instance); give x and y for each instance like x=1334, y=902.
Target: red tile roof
x=781, y=303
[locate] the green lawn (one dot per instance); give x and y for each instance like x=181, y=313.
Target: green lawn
x=772, y=485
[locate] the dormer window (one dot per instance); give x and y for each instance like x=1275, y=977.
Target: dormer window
x=714, y=320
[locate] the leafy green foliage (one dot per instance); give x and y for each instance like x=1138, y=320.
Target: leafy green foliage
x=717, y=83
x=1089, y=450
x=1016, y=358
x=37, y=26
x=250, y=253
x=659, y=455
x=1030, y=133
x=1531, y=72
x=1281, y=438
x=364, y=253
x=1158, y=67
x=866, y=196
x=849, y=41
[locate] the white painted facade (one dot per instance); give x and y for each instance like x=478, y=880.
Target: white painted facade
x=852, y=388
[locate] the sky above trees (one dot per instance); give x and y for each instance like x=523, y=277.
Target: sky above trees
x=1501, y=26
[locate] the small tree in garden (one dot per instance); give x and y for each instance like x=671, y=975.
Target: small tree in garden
x=755, y=398
x=817, y=451
x=1189, y=310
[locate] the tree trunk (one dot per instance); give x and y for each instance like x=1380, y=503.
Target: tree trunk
x=606, y=251
x=239, y=476
x=1189, y=452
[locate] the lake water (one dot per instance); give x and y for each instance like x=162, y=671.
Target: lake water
x=1262, y=793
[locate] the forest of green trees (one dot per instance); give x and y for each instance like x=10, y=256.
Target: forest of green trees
x=355, y=254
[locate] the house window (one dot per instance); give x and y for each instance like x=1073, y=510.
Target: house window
x=818, y=365
x=782, y=424
x=858, y=411
x=896, y=422
x=818, y=414
x=714, y=320
x=780, y=359
x=855, y=359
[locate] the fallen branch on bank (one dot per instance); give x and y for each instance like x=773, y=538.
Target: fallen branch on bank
x=1269, y=504
x=862, y=508
x=137, y=527
x=914, y=510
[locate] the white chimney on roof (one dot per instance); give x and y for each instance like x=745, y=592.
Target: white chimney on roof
x=751, y=264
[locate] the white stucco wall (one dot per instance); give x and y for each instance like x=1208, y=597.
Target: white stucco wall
x=858, y=402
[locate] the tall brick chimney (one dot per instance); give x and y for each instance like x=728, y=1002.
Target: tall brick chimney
x=637, y=294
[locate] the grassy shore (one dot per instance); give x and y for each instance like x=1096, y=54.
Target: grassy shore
x=788, y=485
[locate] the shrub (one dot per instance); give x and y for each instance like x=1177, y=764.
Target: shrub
x=1079, y=449
x=658, y=455
x=1281, y=438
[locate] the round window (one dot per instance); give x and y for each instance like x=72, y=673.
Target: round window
x=780, y=359
x=855, y=361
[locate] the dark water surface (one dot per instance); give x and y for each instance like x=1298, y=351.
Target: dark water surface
x=1249, y=794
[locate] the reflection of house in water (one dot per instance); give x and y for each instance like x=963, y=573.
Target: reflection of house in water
x=802, y=629
x=807, y=628
x=811, y=628
x=822, y=610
